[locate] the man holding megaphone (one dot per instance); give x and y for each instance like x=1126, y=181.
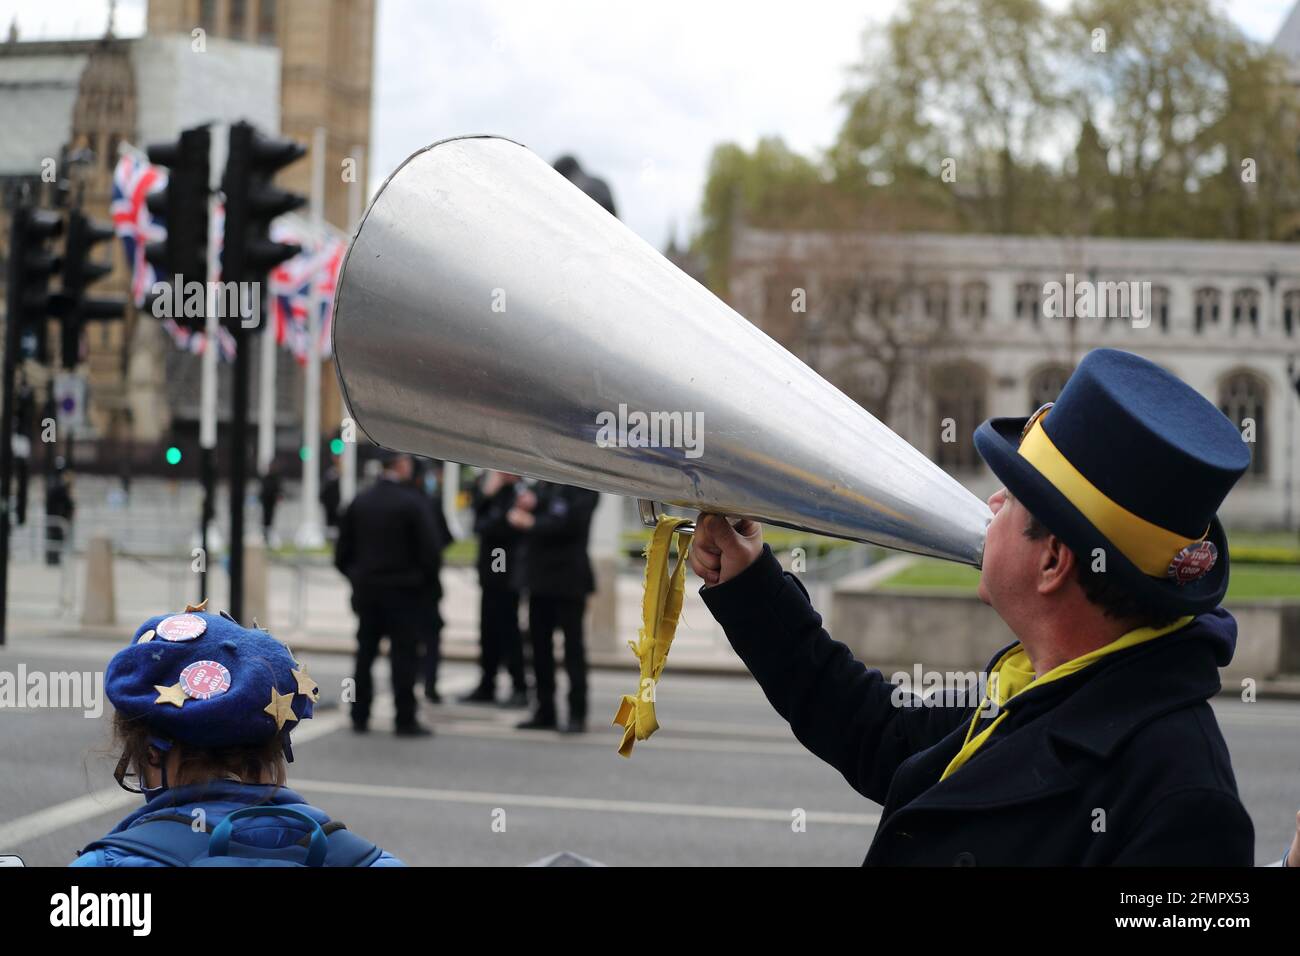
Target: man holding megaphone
x=1093, y=743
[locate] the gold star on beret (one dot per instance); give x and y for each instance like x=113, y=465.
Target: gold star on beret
x=306, y=685
x=170, y=695
x=281, y=708
x=191, y=608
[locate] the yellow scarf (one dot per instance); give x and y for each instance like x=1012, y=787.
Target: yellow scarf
x=1014, y=674
x=660, y=608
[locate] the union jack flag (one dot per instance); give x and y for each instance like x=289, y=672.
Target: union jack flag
x=292, y=284
x=134, y=178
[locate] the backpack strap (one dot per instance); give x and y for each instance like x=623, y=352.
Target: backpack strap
x=317, y=845
x=347, y=849
x=171, y=840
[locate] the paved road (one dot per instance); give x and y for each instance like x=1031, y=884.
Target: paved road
x=718, y=785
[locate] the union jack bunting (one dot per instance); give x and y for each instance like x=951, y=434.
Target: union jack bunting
x=292, y=284
x=134, y=178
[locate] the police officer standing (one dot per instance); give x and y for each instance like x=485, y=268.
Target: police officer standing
x=428, y=484
x=555, y=521
x=499, y=580
x=388, y=548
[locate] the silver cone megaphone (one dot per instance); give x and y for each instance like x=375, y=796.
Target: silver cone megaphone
x=490, y=313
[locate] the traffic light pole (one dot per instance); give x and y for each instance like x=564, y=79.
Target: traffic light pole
x=30, y=266
x=238, y=461
x=248, y=255
x=13, y=319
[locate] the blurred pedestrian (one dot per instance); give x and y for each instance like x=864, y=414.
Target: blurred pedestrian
x=432, y=644
x=388, y=548
x=499, y=578
x=270, y=494
x=331, y=496
x=556, y=521
x=59, y=508
x=203, y=710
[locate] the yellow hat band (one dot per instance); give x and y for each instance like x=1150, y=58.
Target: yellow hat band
x=1150, y=547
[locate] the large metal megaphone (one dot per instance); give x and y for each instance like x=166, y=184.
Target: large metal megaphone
x=490, y=313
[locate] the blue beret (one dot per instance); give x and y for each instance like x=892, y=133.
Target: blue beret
x=202, y=679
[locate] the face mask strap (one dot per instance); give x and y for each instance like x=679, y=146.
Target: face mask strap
x=164, y=745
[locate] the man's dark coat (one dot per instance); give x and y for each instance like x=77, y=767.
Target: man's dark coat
x=1119, y=763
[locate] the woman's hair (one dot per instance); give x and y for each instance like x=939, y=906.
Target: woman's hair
x=257, y=763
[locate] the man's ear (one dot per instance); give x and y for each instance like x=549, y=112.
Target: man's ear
x=1056, y=566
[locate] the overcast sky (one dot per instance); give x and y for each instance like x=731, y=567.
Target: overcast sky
x=641, y=96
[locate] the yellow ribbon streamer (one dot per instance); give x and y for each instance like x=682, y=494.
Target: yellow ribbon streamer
x=661, y=606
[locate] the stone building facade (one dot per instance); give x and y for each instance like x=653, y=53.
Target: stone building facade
x=965, y=319
x=64, y=97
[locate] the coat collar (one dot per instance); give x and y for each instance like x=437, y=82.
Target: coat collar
x=1095, y=710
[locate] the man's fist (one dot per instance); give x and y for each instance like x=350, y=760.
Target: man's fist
x=720, y=550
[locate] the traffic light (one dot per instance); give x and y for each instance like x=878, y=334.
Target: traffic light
x=252, y=201
x=183, y=209
x=247, y=256
x=79, y=271
x=31, y=264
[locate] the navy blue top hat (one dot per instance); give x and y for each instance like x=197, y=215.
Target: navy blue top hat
x=1133, y=461
x=202, y=679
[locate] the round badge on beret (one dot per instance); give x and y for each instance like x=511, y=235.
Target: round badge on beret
x=204, y=680
x=1193, y=562
x=181, y=627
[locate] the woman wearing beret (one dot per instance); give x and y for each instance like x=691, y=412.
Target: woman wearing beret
x=203, y=713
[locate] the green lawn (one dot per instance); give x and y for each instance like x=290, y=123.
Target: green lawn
x=1248, y=580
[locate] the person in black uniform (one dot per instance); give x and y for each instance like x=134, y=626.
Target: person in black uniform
x=499, y=582
x=58, y=505
x=430, y=486
x=388, y=549
x=269, y=496
x=555, y=521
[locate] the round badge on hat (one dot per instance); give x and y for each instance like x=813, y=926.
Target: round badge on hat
x=1193, y=562
x=181, y=627
x=204, y=680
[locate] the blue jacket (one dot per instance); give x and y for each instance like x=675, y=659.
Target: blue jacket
x=216, y=799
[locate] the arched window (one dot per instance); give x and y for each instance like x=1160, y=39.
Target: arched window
x=1159, y=307
x=884, y=299
x=266, y=27
x=936, y=301
x=1243, y=398
x=1291, y=312
x=1245, y=308
x=1045, y=385
x=960, y=391
x=1207, y=307
x=1028, y=301
x=975, y=301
